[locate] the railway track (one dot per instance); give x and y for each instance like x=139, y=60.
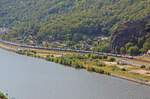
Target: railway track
x=64, y=50
x=77, y=51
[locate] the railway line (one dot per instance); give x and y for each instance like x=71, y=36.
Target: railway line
x=76, y=51
x=65, y=50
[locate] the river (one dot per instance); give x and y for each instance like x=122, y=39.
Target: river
x=25, y=77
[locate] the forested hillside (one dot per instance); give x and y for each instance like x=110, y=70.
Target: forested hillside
x=132, y=37
x=68, y=20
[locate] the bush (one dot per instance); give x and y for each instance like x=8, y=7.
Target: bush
x=111, y=59
x=77, y=65
x=123, y=69
x=2, y=96
x=114, y=68
x=90, y=68
x=100, y=71
x=105, y=57
x=100, y=64
x=48, y=57
x=143, y=66
x=97, y=70
x=96, y=56
x=107, y=73
x=118, y=62
x=52, y=55
x=133, y=50
x=56, y=60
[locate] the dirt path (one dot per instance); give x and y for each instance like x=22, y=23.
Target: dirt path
x=141, y=60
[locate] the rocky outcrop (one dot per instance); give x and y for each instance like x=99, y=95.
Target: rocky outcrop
x=128, y=32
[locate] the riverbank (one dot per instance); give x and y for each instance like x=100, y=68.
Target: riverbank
x=2, y=96
x=83, y=62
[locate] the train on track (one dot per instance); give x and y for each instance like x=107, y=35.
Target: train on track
x=66, y=50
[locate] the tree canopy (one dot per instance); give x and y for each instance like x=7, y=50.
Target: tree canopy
x=68, y=19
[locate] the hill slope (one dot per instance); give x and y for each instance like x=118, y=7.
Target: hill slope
x=64, y=20
x=132, y=35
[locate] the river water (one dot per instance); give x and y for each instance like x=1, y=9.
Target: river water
x=25, y=77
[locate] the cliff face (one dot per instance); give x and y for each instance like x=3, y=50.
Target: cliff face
x=129, y=32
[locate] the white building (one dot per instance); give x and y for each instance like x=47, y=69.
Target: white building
x=148, y=52
x=3, y=30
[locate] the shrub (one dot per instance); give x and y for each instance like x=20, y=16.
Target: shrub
x=111, y=59
x=133, y=50
x=90, y=68
x=48, y=57
x=99, y=70
x=96, y=56
x=105, y=57
x=107, y=73
x=77, y=65
x=123, y=69
x=143, y=66
x=114, y=68
x=52, y=55
x=100, y=64
x=56, y=60
x=2, y=96
x=118, y=62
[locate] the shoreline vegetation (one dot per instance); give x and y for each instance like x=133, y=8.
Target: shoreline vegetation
x=101, y=64
x=2, y=96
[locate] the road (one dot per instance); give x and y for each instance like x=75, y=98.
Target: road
x=136, y=64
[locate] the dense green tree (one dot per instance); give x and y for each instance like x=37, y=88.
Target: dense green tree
x=133, y=50
x=68, y=20
x=123, y=50
x=146, y=45
x=128, y=45
x=147, y=27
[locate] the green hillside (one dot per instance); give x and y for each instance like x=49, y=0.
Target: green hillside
x=68, y=20
x=132, y=37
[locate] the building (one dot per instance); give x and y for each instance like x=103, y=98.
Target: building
x=3, y=30
x=122, y=62
x=55, y=43
x=148, y=52
x=84, y=44
x=101, y=38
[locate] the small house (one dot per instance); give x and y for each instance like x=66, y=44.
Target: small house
x=148, y=52
x=55, y=43
x=122, y=62
x=101, y=38
x=84, y=44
